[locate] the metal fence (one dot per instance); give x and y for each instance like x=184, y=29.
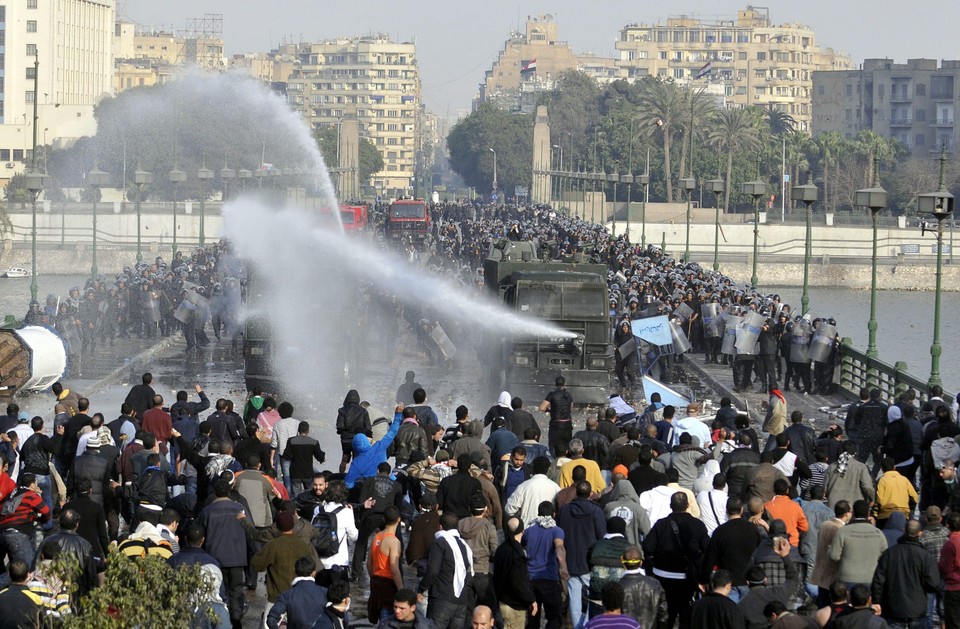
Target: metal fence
x=857, y=371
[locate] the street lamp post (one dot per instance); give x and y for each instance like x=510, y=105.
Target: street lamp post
x=644, y=181
x=755, y=189
x=227, y=174
x=177, y=177
x=494, y=185
x=688, y=184
x=140, y=179
x=96, y=179
x=244, y=175
x=940, y=204
x=874, y=198
x=716, y=186
x=628, y=180
x=559, y=178
x=35, y=182
x=204, y=175
x=807, y=193
x=614, y=178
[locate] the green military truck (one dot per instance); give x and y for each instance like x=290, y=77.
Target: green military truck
x=570, y=294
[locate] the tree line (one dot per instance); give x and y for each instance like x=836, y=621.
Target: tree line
x=612, y=128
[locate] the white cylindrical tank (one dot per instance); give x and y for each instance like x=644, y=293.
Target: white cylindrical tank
x=40, y=360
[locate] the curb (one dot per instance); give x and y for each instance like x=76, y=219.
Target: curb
x=139, y=359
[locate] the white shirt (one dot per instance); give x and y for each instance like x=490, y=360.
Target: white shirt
x=346, y=529
x=715, y=514
x=526, y=498
x=696, y=427
x=656, y=502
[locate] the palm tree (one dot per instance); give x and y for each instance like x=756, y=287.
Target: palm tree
x=733, y=130
x=779, y=122
x=661, y=104
x=699, y=108
x=799, y=146
x=830, y=146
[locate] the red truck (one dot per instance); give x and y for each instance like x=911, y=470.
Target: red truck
x=353, y=217
x=408, y=218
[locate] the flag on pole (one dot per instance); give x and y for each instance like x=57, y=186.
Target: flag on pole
x=528, y=66
x=705, y=70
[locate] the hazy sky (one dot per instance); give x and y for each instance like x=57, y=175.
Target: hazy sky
x=457, y=40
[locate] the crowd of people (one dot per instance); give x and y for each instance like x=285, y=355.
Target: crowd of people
x=149, y=300
x=651, y=518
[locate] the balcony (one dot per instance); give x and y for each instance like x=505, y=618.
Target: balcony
x=943, y=122
x=901, y=98
x=901, y=122
x=941, y=95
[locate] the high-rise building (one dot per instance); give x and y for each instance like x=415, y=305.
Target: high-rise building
x=530, y=63
x=912, y=102
x=756, y=61
x=145, y=56
x=57, y=54
x=376, y=79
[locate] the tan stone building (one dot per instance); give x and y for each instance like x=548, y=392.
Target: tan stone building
x=145, y=56
x=757, y=62
x=377, y=79
x=529, y=63
x=913, y=102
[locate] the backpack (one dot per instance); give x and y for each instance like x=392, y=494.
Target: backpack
x=326, y=541
x=12, y=502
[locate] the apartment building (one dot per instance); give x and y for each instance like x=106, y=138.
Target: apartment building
x=913, y=102
x=57, y=54
x=530, y=62
x=145, y=56
x=376, y=79
x=756, y=61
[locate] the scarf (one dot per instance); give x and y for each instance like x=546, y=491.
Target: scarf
x=458, y=549
x=779, y=394
x=842, y=462
x=545, y=521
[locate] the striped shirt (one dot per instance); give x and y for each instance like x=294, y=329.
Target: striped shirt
x=612, y=621
x=31, y=509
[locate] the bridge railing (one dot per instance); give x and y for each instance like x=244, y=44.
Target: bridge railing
x=857, y=370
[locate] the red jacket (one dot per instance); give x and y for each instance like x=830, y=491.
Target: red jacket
x=158, y=422
x=950, y=563
x=7, y=485
x=31, y=509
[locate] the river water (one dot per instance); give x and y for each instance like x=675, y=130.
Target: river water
x=904, y=325
x=904, y=332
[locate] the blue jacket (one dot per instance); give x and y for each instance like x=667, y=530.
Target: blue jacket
x=196, y=556
x=367, y=456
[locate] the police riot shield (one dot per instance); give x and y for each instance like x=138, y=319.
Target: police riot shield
x=150, y=301
x=442, y=342
x=748, y=333
x=683, y=312
x=680, y=342
x=821, y=345
x=628, y=348
x=70, y=334
x=712, y=323
x=730, y=335
x=800, y=342
x=183, y=313
x=196, y=298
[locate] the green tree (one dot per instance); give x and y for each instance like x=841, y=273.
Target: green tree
x=662, y=104
x=509, y=134
x=573, y=106
x=16, y=190
x=733, y=131
x=371, y=161
x=142, y=593
x=830, y=147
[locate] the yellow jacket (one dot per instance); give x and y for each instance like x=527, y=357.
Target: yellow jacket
x=894, y=492
x=594, y=476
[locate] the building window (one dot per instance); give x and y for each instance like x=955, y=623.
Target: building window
x=742, y=56
x=678, y=73
x=761, y=56
x=920, y=89
x=920, y=114
x=31, y=73
x=31, y=4
x=30, y=96
x=31, y=26
x=18, y=155
x=31, y=50
x=4, y=155
x=678, y=55
x=662, y=55
x=849, y=90
x=920, y=140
